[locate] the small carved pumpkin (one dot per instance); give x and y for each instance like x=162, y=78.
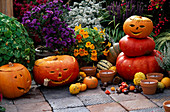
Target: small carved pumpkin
x=74, y=89
x=138, y=27
x=15, y=80
x=91, y=82
x=114, y=51
x=56, y=70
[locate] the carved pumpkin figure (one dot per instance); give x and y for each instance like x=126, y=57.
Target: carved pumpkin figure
x=56, y=70
x=15, y=80
x=138, y=27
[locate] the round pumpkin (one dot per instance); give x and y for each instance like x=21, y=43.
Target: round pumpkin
x=82, y=86
x=136, y=47
x=138, y=26
x=15, y=80
x=74, y=89
x=58, y=70
x=91, y=82
x=114, y=51
x=128, y=66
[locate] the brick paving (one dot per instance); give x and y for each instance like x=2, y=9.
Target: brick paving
x=58, y=99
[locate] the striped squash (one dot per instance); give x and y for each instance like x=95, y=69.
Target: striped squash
x=114, y=51
x=103, y=65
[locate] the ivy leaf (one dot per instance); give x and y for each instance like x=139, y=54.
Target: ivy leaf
x=8, y=33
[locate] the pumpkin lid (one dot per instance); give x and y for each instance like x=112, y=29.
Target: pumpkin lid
x=11, y=67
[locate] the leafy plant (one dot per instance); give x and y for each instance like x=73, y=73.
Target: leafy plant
x=163, y=59
x=15, y=44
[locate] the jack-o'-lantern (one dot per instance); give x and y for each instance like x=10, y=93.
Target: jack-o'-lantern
x=138, y=26
x=15, y=80
x=56, y=70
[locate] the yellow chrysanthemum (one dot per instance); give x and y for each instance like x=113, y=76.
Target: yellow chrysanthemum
x=85, y=35
x=77, y=27
x=81, y=52
x=105, y=52
x=88, y=44
x=92, y=46
x=95, y=28
x=81, y=31
x=76, y=52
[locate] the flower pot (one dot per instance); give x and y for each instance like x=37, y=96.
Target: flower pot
x=166, y=106
x=42, y=52
x=149, y=86
x=157, y=76
x=89, y=71
x=107, y=75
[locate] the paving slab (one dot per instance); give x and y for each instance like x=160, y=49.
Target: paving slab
x=77, y=109
x=6, y=101
x=10, y=108
x=159, y=101
x=108, y=107
x=157, y=109
x=34, y=107
x=137, y=104
x=33, y=96
x=68, y=102
x=129, y=96
x=55, y=92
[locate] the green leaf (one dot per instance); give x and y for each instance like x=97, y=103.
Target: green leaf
x=0, y=59
x=17, y=54
x=8, y=33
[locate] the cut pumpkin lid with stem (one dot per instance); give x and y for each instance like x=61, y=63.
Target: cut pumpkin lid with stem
x=10, y=67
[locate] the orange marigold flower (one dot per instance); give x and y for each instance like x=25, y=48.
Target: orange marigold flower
x=94, y=52
x=81, y=52
x=102, y=31
x=76, y=52
x=108, y=44
x=78, y=37
x=93, y=57
x=95, y=28
x=86, y=53
x=92, y=46
x=88, y=44
x=77, y=27
x=105, y=52
x=81, y=32
x=85, y=35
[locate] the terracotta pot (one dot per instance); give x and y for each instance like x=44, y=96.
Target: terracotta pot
x=166, y=106
x=107, y=75
x=157, y=76
x=149, y=86
x=90, y=71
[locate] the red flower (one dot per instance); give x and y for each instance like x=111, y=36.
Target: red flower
x=79, y=37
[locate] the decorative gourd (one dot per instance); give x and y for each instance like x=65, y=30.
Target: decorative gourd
x=82, y=86
x=113, y=68
x=15, y=80
x=91, y=82
x=127, y=67
x=56, y=70
x=114, y=51
x=74, y=89
x=138, y=26
x=136, y=47
x=103, y=65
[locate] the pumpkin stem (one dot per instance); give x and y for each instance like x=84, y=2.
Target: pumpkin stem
x=10, y=64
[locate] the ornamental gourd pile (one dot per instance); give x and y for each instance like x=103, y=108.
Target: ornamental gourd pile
x=137, y=48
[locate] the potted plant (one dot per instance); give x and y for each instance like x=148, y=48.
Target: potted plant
x=46, y=22
x=15, y=44
x=90, y=45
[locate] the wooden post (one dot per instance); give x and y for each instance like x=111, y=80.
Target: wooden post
x=6, y=7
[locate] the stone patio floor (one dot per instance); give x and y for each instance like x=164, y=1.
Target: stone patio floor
x=58, y=99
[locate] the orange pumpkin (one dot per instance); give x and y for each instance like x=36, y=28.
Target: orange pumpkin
x=57, y=70
x=15, y=80
x=91, y=82
x=138, y=27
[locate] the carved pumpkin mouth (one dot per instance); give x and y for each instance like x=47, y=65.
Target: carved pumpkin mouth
x=21, y=89
x=57, y=82
x=136, y=33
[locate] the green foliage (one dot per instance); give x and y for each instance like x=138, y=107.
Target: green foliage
x=163, y=59
x=15, y=44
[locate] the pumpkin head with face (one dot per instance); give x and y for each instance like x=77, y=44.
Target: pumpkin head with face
x=138, y=26
x=56, y=70
x=15, y=80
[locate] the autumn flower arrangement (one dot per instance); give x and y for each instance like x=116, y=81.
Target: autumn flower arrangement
x=46, y=21
x=90, y=44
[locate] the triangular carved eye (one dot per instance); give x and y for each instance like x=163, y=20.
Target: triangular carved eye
x=15, y=77
x=65, y=69
x=142, y=26
x=52, y=72
x=20, y=75
x=131, y=25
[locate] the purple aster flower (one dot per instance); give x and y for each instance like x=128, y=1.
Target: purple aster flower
x=45, y=17
x=68, y=40
x=44, y=29
x=74, y=40
x=55, y=1
x=57, y=12
x=63, y=29
x=64, y=43
x=34, y=21
x=50, y=12
x=38, y=24
x=61, y=1
x=54, y=18
x=38, y=9
x=46, y=37
x=67, y=33
x=36, y=27
x=61, y=12
x=27, y=21
x=64, y=6
x=51, y=40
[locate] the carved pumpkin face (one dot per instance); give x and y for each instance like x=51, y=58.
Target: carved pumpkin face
x=58, y=70
x=138, y=27
x=15, y=80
